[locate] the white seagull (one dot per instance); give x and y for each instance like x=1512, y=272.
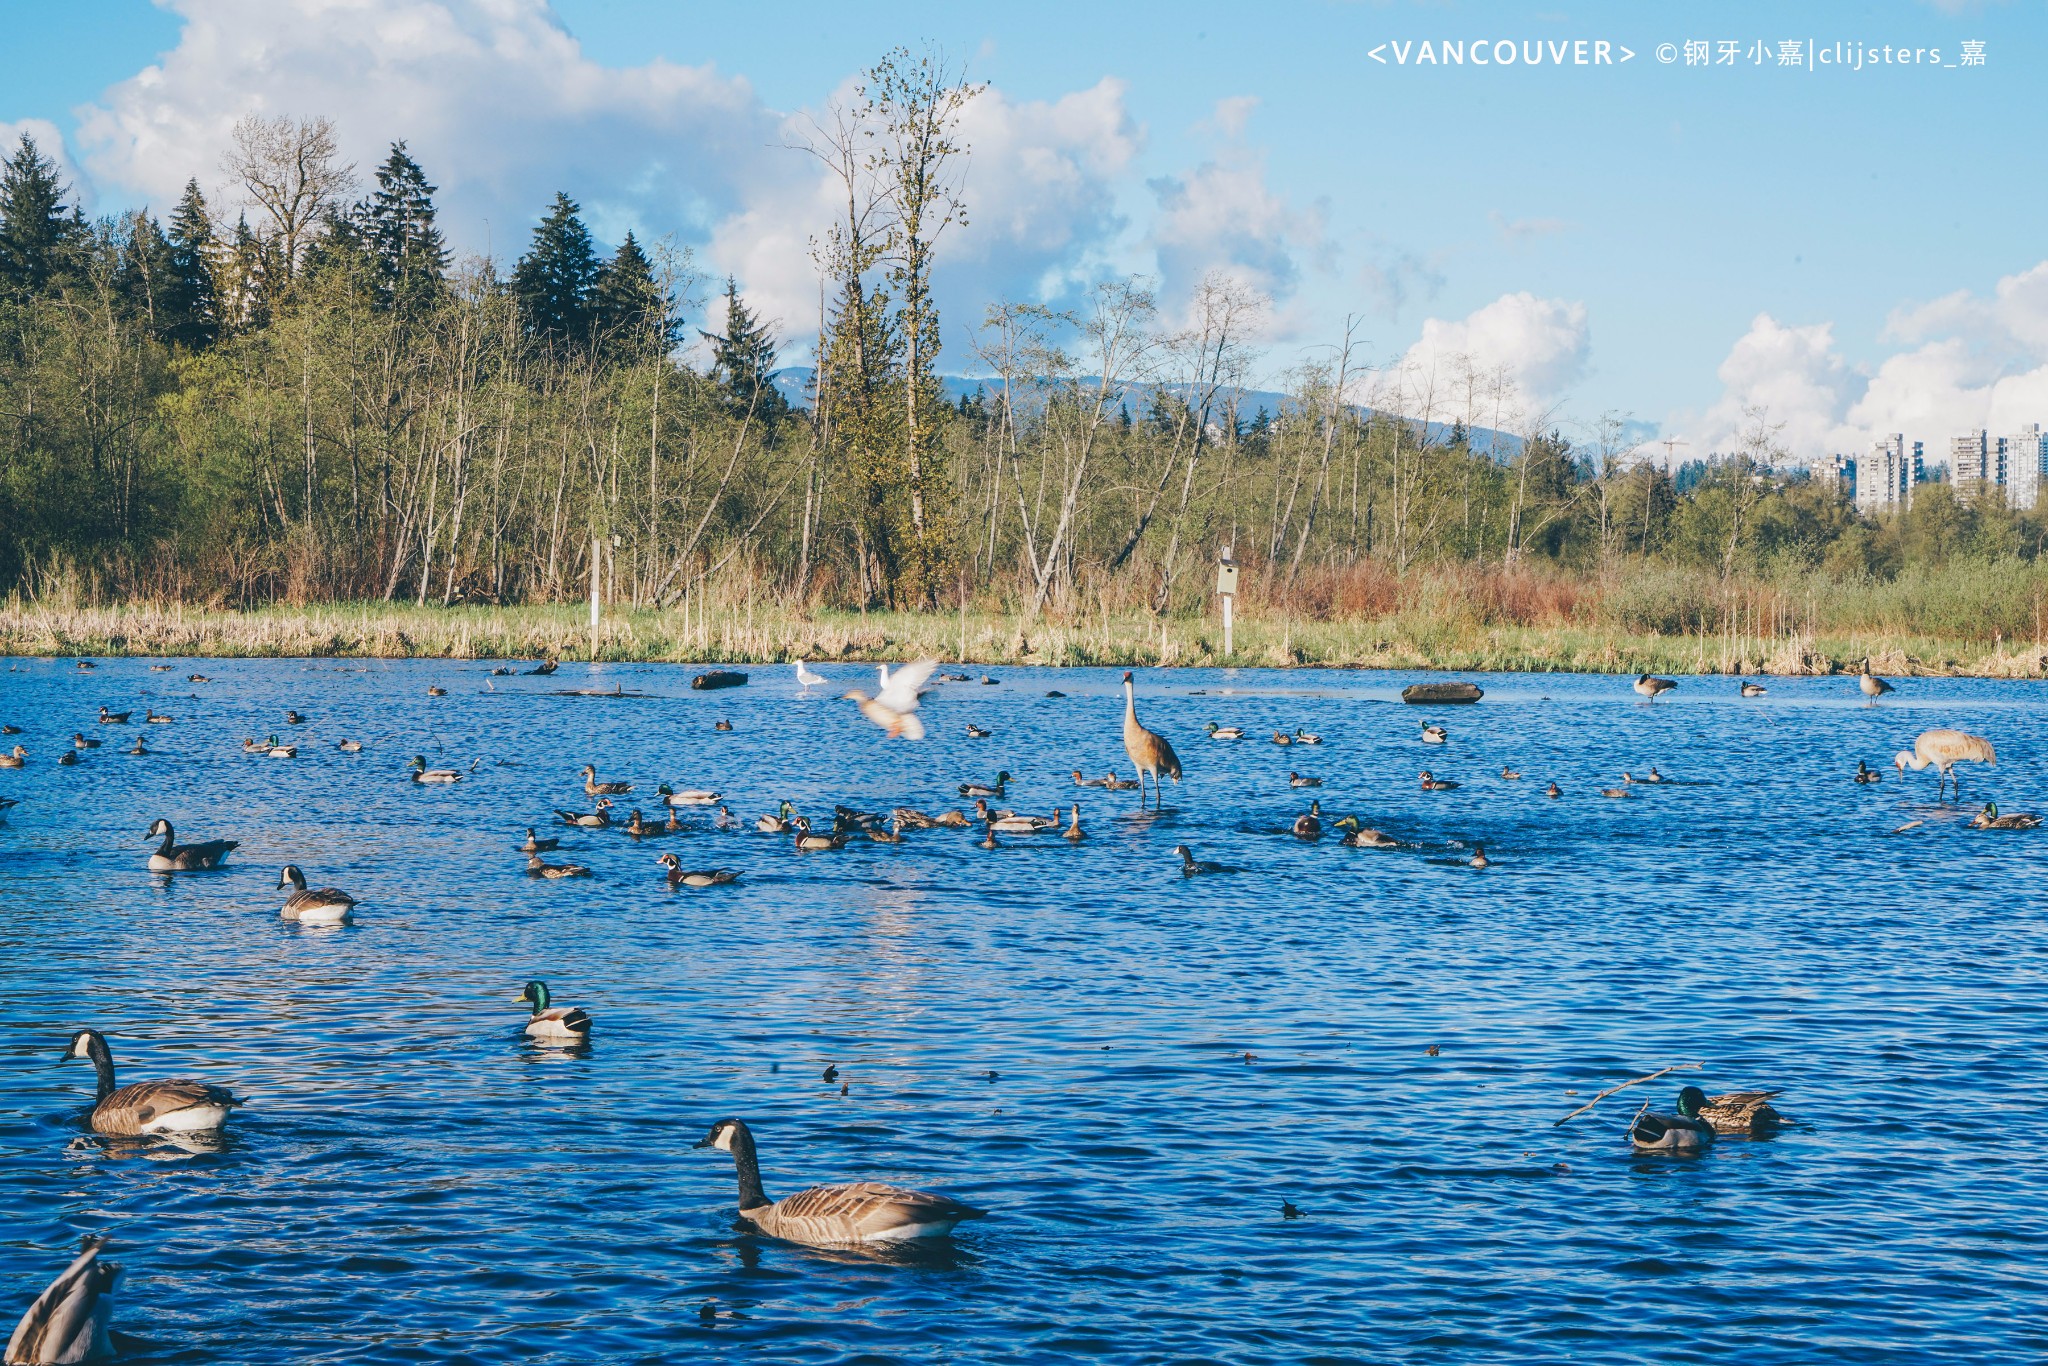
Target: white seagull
x=894, y=709
x=804, y=676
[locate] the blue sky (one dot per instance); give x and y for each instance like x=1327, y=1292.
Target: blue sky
x=1680, y=242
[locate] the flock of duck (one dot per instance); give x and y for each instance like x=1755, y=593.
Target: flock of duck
x=68, y=1322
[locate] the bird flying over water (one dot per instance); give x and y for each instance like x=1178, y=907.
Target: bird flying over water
x=894, y=708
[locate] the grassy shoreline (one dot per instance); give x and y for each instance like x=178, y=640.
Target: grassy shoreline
x=757, y=634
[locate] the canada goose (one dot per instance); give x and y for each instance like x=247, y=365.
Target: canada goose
x=542, y=669
x=1080, y=781
x=834, y=1216
x=1753, y=690
x=349, y=746
x=1945, y=749
x=805, y=678
x=593, y=788
x=437, y=691
x=422, y=774
x=68, y=1321
x=1509, y=773
x=806, y=839
x=1190, y=866
x=151, y=715
x=1742, y=1112
x=552, y=1021
x=679, y=876
x=15, y=758
x=10, y=730
x=536, y=845
x=1432, y=783
x=779, y=823
x=721, y=724
x=170, y=857
x=1684, y=1132
x=181, y=1106
x=68, y=758
x=1281, y=737
x=1866, y=774
x=1652, y=687
x=78, y=741
x=1434, y=735
x=894, y=706
x=1364, y=836
x=1217, y=732
x=114, y=718
x=1989, y=819
x=1302, y=737
x=994, y=789
x=1073, y=831
x=596, y=819
x=535, y=867
x=1309, y=824
x=292, y=718
x=1872, y=685
x=1553, y=791
x=1479, y=859
x=1150, y=752
x=87, y=664
x=323, y=906
x=689, y=796
x=1303, y=780
x=1116, y=784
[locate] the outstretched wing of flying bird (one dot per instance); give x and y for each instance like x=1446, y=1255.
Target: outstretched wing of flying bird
x=899, y=694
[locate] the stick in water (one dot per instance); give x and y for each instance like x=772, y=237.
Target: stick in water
x=1624, y=1086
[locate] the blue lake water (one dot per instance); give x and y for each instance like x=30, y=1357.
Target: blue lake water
x=413, y=1180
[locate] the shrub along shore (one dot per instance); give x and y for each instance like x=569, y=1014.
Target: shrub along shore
x=759, y=633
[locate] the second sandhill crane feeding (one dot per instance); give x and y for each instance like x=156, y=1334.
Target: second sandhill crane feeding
x=1150, y=752
x=1943, y=750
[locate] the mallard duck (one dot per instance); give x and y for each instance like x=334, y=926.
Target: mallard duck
x=552, y=1021
x=1364, y=836
x=1303, y=780
x=596, y=819
x=689, y=796
x=674, y=823
x=1309, y=824
x=159, y=668
x=1509, y=774
x=114, y=718
x=1553, y=791
x=1753, y=690
x=1116, y=784
x=536, y=845
x=1653, y=688
x=1434, y=735
x=679, y=876
x=1655, y=777
x=502, y=671
x=847, y=818
x=638, y=827
x=292, y=718
x=1742, y=1112
x=1217, y=732
x=1684, y=1132
x=349, y=746
x=1010, y=823
x=955, y=819
x=154, y=718
x=182, y=1106
x=535, y=867
x=251, y=745
x=87, y=664
x=893, y=834
x=721, y=724
x=994, y=789
x=325, y=905
x=910, y=818
x=1615, y=792
x=1432, y=783
x=422, y=774
x=975, y=732
x=1281, y=737
x=68, y=1321
x=68, y=758
x=835, y=1216
x=807, y=839
x=1190, y=866
x=1989, y=819
x=78, y=741
x=1073, y=831
x=1080, y=781
x=1866, y=774
x=778, y=824
x=1302, y=737
x=593, y=788
x=171, y=857
x=437, y=691
x=275, y=750
x=14, y=758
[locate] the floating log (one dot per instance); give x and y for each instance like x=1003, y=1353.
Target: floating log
x=719, y=678
x=1440, y=694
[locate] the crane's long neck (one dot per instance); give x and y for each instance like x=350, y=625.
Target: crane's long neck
x=749, y=1169
x=102, y=1063
x=1130, y=704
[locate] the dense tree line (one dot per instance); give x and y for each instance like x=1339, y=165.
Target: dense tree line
x=312, y=398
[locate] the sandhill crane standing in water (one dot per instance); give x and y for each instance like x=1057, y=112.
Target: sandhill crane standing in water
x=1872, y=685
x=1944, y=749
x=1149, y=752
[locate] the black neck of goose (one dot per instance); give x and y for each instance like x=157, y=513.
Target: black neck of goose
x=102, y=1063
x=749, y=1168
x=169, y=835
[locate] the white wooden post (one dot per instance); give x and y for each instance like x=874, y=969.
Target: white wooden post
x=1226, y=588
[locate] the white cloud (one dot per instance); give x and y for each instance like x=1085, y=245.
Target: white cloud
x=1222, y=217
x=1793, y=374
x=1543, y=344
x=1231, y=114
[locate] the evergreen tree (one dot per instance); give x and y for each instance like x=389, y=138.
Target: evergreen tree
x=143, y=273
x=632, y=317
x=243, y=280
x=396, y=224
x=188, y=314
x=36, y=235
x=556, y=280
x=743, y=361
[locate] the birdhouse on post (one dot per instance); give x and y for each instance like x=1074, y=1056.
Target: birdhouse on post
x=1226, y=588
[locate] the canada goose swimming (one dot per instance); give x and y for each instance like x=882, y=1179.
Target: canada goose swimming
x=1872, y=685
x=1434, y=735
x=779, y=823
x=1073, y=831
x=1309, y=824
x=1509, y=773
x=1217, y=732
x=1944, y=749
x=1432, y=783
x=78, y=741
x=1190, y=866
x=994, y=789
x=805, y=677
x=535, y=867
x=1866, y=774
x=1553, y=791
x=679, y=876
x=87, y=664
x=1303, y=780
x=323, y=906
x=292, y=718
x=975, y=732
x=149, y=1107
x=1116, y=784
x=536, y=845
x=894, y=706
x=437, y=691
x=68, y=758
x=1080, y=781
x=689, y=796
x=1150, y=753
x=114, y=718
x=68, y=1321
x=1479, y=859
x=1753, y=690
x=1364, y=836
x=170, y=857
x=834, y=1216
x=1989, y=819
x=553, y=1021
x=350, y=746
x=422, y=774
x=1684, y=1132
x=593, y=788
x=151, y=715
x=1281, y=737
x=1651, y=687
x=596, y=819
x=806, y=839
x=721, y=724
x=1302, y=737
x=15, y=758
x=1742, y=1112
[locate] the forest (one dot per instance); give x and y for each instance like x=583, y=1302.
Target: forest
x=296, y=393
